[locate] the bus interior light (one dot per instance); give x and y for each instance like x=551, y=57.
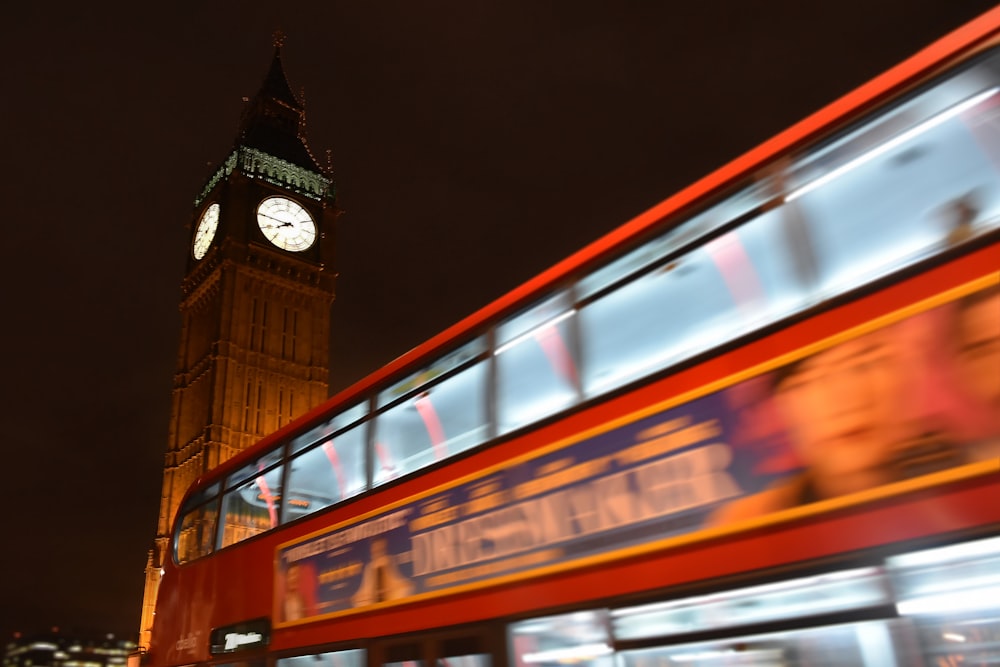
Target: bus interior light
x=958, y=602
x=898, y=140
x=766, y=655
x=863, y=574
x=517, y=340
x=947, y=554
x=569, y=654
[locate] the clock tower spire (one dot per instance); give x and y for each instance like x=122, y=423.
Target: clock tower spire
x=274, y=119
x=255, y=303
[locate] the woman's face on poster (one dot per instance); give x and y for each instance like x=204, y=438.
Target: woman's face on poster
x=841, y=406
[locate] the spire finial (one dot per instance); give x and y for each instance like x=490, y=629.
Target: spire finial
x=278, y=38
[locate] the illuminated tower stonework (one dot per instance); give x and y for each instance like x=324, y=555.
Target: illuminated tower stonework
x=255, y=302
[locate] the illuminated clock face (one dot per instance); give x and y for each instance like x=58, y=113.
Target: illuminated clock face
x=205, y=231
x=286, y=224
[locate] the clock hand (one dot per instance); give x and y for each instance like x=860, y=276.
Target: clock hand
x=280, y=223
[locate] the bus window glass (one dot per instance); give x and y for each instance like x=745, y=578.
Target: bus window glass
x=580, y=638
x=515, y=329
x=442, y=420
x=537, y=370
x=730, y=208
x=349, y=658
x=659, y=318
x=797, y=598
x=201, y=496
x=899, y=189
x=467, y=651
x=336, y=423
x=867, y=644
x=326, y=474
x=477, y=660
x=254, y=469
x=251, y=507
x=448, y=363
x=953, y=596
x=763, y=276
x=624, y=266
x=196, y=534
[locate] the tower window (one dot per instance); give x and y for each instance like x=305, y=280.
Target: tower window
x=289, y=332
x=246, y=405
x=253, y=326
x=258, y=324
x=253, y=408
x=281, y=407
x=259, y=410
x=263, y=325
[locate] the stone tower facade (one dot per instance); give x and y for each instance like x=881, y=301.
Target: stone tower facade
x=255, y=302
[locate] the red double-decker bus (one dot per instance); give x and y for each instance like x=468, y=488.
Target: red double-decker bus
x=758, y=424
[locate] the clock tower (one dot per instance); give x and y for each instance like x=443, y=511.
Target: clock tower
x=255, y=302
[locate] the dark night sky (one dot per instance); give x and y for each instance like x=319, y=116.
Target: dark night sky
x=474, y=144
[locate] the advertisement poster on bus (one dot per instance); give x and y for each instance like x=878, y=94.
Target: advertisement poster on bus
x=910, y=399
